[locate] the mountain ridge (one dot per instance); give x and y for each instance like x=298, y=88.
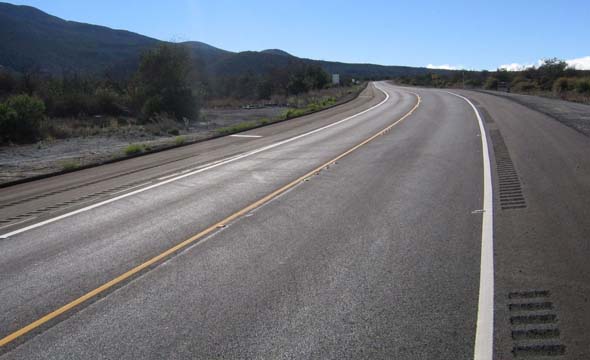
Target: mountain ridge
x=32, y=40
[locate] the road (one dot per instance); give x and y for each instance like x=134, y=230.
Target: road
x=363, y=231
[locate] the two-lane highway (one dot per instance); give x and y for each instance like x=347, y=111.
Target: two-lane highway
x=326, y=237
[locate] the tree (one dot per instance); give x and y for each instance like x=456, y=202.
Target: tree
x=549, y=71
x=162, y=83
x=316, y=77
x=307, y=77
x=264, y=89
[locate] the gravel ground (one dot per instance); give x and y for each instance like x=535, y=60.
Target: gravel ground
x=22, y=161
x=574, y=115
x=226, y=117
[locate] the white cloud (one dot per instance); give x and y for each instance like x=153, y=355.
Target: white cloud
x=582, y=63
x=515, y=66
x=443, y=67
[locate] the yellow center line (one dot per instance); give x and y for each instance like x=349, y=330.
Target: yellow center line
x=119, y=279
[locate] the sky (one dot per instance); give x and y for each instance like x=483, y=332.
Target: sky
x=469, y=34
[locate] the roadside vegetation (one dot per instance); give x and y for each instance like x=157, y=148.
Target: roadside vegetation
x=553, y=78
x=133, y=149
x=36, y=106
x=70, y=165
x=162, y=97
x=311, y=104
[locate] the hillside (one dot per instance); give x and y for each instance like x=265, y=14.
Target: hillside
x=33, y=40
x=30, y=38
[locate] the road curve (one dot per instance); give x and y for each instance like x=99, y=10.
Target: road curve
x=375, y=256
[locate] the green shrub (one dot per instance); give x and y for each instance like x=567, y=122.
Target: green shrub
x=291, y=113
x=473, y=83
x=107, y=102
x=21, y=117
x=491, y=83
x=8, y=118
x=152, y=106
x=133, y=149
x=524, y=86
x=583, y=86
x=328, y=101
x=71, y=105
x=27, y=107
x=179, y=140
x=562, y=85
x=69, y=165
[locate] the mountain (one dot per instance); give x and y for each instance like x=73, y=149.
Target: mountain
x=33, y=40
x=276, y=52
x=206, y=52
x=30, y=38
x=250, y=62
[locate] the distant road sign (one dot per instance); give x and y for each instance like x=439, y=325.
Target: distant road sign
x=336, y=79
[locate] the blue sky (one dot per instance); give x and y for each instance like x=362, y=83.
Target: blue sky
x=469, y=34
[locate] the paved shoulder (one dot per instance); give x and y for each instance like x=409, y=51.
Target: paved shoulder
x=542, y=230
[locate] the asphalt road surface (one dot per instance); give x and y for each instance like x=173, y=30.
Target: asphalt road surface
x=384, y=228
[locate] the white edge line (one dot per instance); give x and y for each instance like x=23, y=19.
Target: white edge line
x=214, y=165
x=131, y=187
x=484, y=334
x=165, y=177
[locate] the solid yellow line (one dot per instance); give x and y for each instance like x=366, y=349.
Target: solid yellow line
x=52, y=315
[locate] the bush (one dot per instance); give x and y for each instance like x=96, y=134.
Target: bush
x=70, y=165
x=562, y=85
x=583, y=86
x=179, y=140
x=152, y=106
x=491, y=84
x=7, y=120
x=292, y=113
x=71, y=105
x=20, y=118
x=525, y=86
x=107, y=102
x=133, y=149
